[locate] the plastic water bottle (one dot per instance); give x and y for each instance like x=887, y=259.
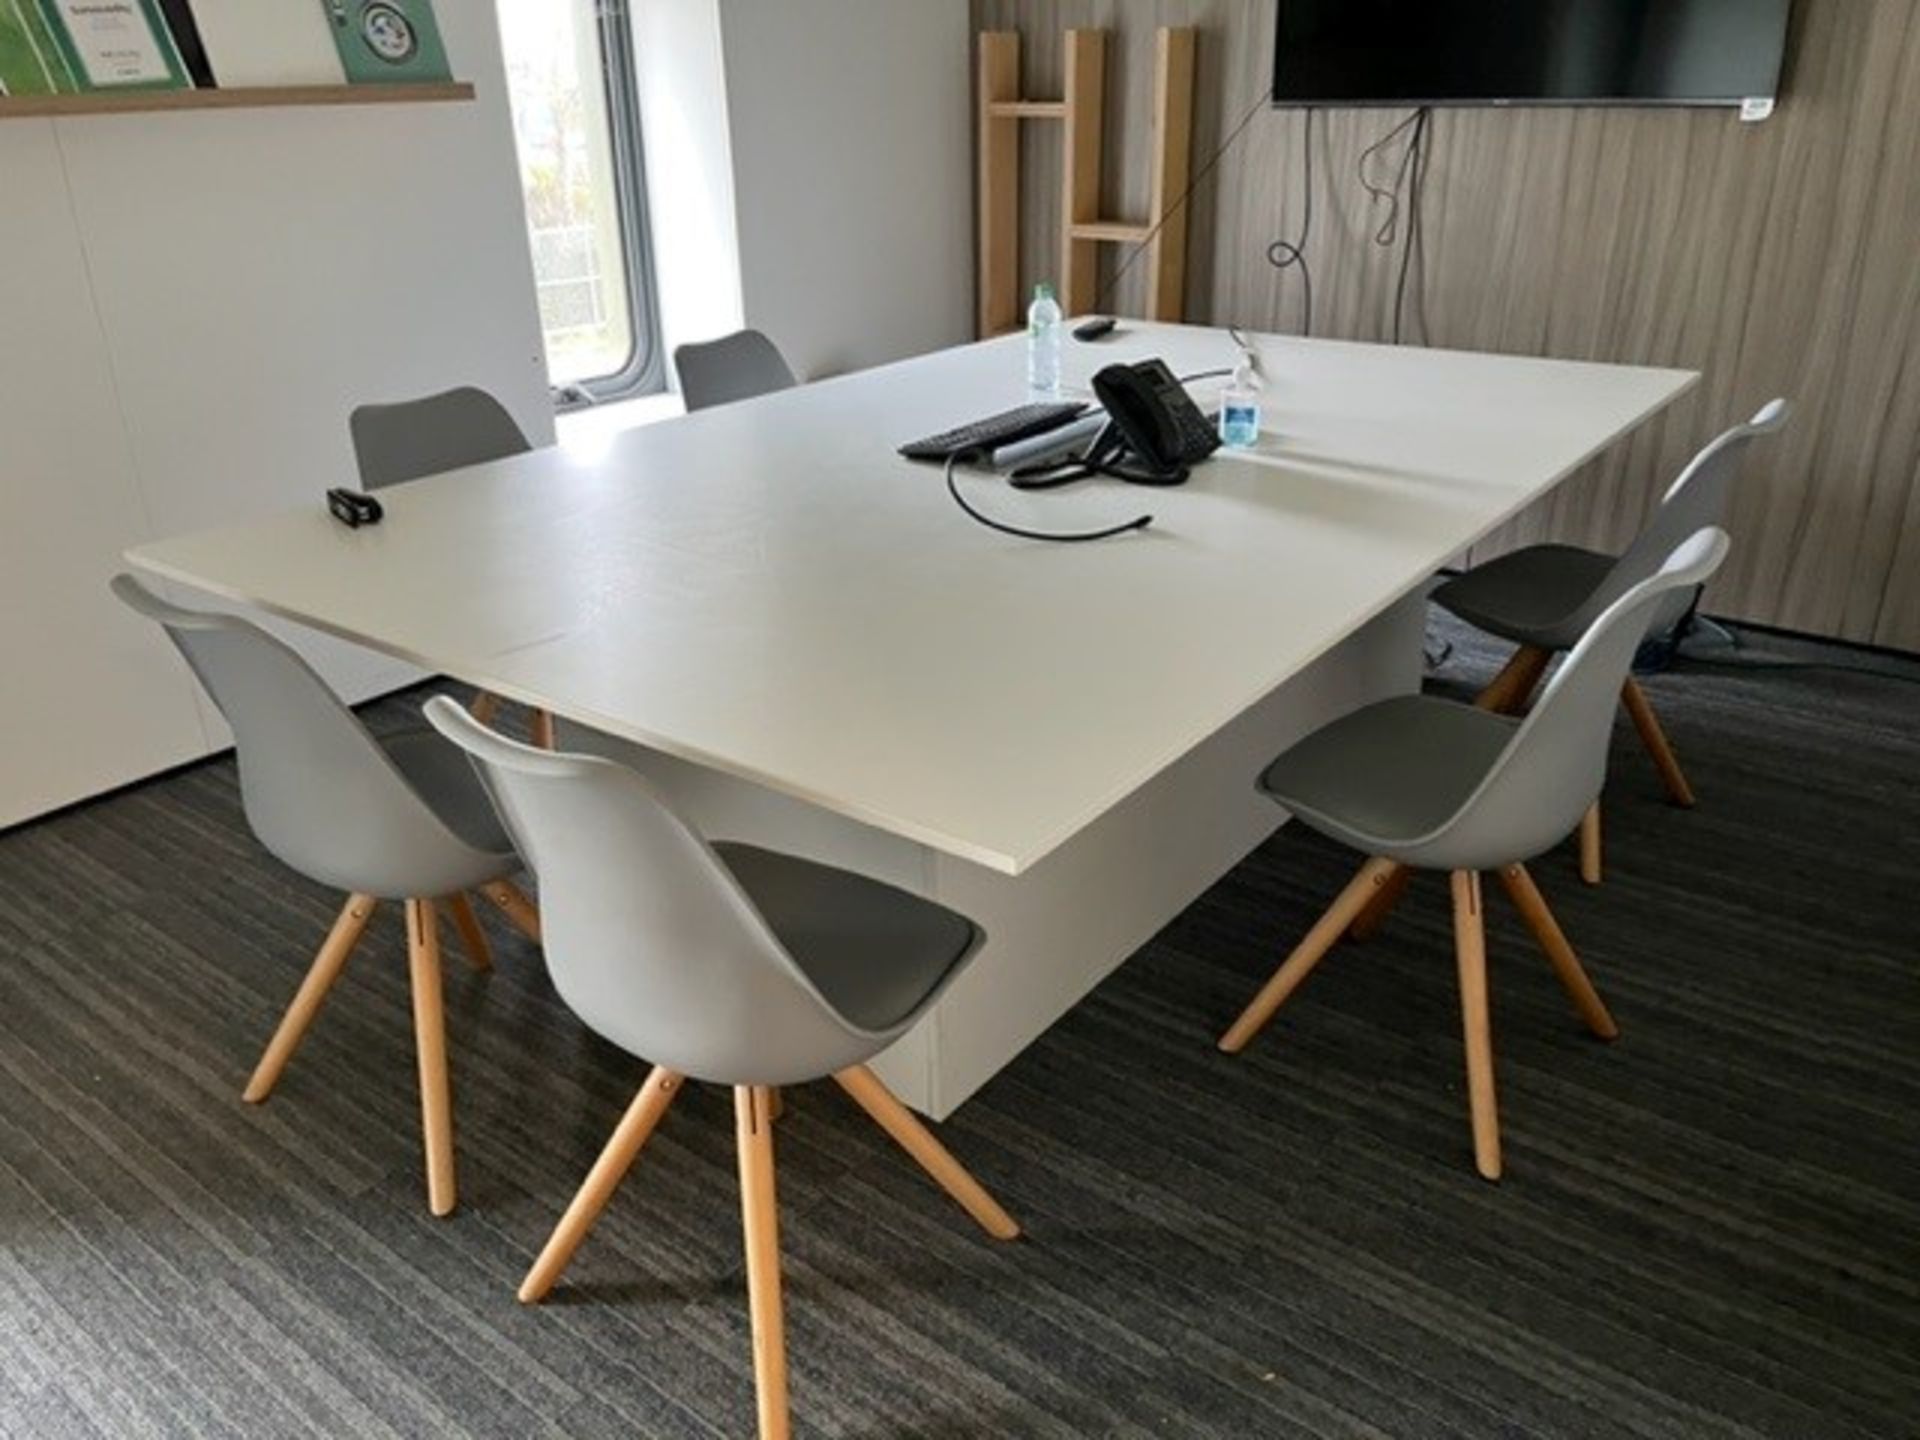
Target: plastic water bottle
x=1043, y=342
x=1240, y=411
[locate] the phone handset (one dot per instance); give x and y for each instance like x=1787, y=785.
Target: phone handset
x=1140, y=403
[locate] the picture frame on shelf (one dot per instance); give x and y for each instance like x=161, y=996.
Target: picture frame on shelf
x=115, y=45
x=388, y=42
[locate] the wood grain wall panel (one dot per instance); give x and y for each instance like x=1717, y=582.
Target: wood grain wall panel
x=1778, y=258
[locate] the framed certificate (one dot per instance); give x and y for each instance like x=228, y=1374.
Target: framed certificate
x=117, y=44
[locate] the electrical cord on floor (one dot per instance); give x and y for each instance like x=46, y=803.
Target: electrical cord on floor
x=1732, y=658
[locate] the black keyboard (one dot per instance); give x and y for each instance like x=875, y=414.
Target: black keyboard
x=1020, y=423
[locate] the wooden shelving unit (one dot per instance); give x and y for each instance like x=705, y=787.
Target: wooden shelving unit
x=149, y=102
x=1082, y=114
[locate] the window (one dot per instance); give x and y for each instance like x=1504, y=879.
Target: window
x=577, y=129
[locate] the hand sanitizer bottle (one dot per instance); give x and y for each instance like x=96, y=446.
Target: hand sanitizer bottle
x=1043, y=343
x=1240, y=411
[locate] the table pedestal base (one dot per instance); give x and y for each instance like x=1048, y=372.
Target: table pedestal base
x=1056, y=931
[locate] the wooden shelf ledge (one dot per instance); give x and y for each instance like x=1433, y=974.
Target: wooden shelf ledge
x=144, y=102
x=1116, y=232
x=1027, y=110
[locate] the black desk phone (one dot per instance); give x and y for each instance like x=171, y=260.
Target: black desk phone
x=1154, y=432
x=1153, y=421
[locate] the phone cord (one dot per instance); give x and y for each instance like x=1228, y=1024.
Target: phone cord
x=1063, y=536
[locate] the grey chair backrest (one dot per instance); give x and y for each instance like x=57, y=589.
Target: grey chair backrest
x=1555, y=764
x=410, y=438
x=648, y=936
x=1694, y=501
x=318, y=790
x=734, y=367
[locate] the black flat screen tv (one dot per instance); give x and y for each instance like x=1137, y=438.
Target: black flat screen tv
x=1528, y=52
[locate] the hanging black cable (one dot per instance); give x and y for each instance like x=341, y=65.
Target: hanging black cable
x=1388, y=230
x=1402, y=196
x=1413, y=172
x=1292, y=254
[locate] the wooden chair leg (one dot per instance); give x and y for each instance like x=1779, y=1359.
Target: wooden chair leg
x=513, y=903
x=873, y=1097
x=1590, y=861
x=1533, y=909
x=1470, y=950
x=608, y=1171
x=541, y=726
x=484, y=707
x=760, y=1220
x=1513, y=686
x=1380, y=906
x=326, y=968
x=1342, y=913
x=473, y=940
x=430, y=1047
x=1640, y=709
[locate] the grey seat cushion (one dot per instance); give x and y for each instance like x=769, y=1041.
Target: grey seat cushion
x=874, y=951
x=1391, y=773
x=441, y=775
x=1531, y=596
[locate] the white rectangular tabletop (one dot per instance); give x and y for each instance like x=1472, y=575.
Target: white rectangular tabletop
x=767, y=589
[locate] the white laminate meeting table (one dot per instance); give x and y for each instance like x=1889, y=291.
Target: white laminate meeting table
x=801, y=639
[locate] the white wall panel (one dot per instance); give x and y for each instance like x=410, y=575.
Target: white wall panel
x=92, y=695
x=852, y=151
x=196, y=301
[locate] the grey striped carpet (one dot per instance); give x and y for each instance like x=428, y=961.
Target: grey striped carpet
x=1711, y=1228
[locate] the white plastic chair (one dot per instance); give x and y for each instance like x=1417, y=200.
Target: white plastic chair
x=398, y=818
x=1544, y=597
x=1421, y=782
x=725, y=963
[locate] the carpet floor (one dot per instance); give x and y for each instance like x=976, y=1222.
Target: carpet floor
x=1710, y=1228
